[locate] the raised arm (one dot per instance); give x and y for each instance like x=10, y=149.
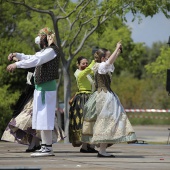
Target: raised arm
x=115, y=54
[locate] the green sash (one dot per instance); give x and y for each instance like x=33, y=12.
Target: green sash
x=47, y=86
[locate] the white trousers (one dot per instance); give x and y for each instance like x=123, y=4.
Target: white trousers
x=44, y=114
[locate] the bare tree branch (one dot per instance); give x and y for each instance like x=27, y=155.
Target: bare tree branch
x=63, y=43
x=65, y=5
x=105, y=16
x=87, y=35
x=62, y=9
x=67, y=17
x=77, y=18
x=29, y=7
x=77, y=33
x=75, y=9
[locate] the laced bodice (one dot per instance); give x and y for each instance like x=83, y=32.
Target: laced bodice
x=102, y=82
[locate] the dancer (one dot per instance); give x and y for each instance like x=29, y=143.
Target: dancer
x=105, y=121
x=19, y=129
x=85, y=86
x=46, y=62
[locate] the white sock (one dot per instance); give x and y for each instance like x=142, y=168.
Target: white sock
x=46, y=136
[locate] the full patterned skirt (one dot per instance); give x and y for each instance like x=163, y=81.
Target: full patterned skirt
x=76, y=118
x=19, y=129
x=105, y=120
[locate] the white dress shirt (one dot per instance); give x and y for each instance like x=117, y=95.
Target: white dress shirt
x=39, y=58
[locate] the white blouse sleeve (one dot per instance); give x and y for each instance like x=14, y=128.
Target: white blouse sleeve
x=22, y=56
x=105, y=67
x=39, y=58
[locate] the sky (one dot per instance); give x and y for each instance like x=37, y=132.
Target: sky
x=150, y=29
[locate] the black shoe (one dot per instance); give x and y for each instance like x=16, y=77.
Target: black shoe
x=84, y=150
x=133, y=141
x=137, y=142
x=92, y=150
x=33, y=149
x=103, y=156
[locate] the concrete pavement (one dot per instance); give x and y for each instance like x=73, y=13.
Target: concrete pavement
x=152, y=134
x=128, y=156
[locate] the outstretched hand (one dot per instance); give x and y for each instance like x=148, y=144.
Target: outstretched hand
x=11, y=67
x=11, y=56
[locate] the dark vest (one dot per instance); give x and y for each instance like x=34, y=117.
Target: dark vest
x=103, y=82
x=48, y=71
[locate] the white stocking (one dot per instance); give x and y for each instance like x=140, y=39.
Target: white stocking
x=102, y=150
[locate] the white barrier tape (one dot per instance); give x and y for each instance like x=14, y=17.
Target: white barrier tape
x=148, y=110
x=148, y=117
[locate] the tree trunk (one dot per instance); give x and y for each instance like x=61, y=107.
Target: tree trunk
x=67, y=91
x=59, y=121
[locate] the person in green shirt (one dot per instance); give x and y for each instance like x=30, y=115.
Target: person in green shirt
x=85, y=86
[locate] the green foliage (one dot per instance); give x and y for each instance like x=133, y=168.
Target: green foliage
x=147, y=93
x=159, y=67
x=17, y=79
x=153, y=52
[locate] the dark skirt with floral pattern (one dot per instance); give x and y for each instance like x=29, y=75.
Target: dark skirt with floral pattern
x=76, y=118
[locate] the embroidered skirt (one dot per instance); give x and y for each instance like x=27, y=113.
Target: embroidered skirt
x=105, y=120
x=76, y=118
x=20, y=130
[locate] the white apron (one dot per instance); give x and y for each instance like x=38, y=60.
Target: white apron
x=44, y=115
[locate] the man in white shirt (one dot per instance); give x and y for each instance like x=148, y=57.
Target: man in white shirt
x=46, y=63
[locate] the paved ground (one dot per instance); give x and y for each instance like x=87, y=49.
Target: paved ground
x=128, y=156
x=152, y=134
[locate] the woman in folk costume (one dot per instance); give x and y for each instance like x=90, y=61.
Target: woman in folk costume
x=19, y=129
x=105, y=121
x=85, y=86
x=46, y=63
